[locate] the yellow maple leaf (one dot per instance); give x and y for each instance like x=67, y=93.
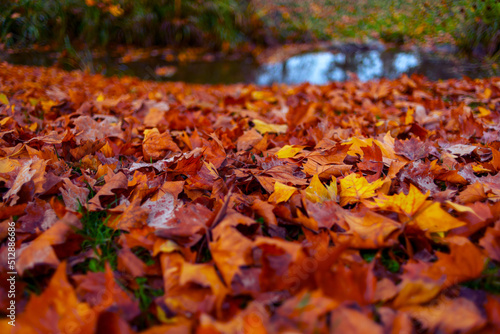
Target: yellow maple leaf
x=263, y=95
x=432, y=218
x=369, y=230
x=356, y=145
x=4, y=99
x=354, y=188
x=282, y=193
x=426, y=215
x=264, y=127
x=483, y=112
x=401, y=203
x=318, y=193
x=289, y=151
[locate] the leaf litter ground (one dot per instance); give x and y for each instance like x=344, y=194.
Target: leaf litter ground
x=153, y=207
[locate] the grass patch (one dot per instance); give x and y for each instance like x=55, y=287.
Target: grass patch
x=100, y=238
x=145, y=293
x=143, y=254
x=388, y=257
x=489, y=280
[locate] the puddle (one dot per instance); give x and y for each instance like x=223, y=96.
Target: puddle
x=314, y=67
x=324, y=67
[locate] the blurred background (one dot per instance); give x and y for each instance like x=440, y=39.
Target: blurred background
x=255, y=41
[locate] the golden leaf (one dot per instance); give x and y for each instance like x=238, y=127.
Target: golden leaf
x=434, y=219
x=318, y=193
x=354, y=188
x=282, y=193
x=483, y=112
x=401, y=203
x=263, y=96
x=264, y=127
x=289, y=151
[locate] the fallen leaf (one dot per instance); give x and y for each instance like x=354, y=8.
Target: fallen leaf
x=354, y=188
x=432, y=218
x=401, y=203
x=263, y=127
x=288, y=151
x=282, y=193
x=316, y=192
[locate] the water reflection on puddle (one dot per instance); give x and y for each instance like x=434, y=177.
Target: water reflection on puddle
x=315, y=67
x=323, y=67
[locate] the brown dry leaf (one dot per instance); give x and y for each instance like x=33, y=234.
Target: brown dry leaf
x=102, y=292
x=155, y=115
x=62, y=311
x=491, y=242
x=248, y=140
x=32, y=170
x=465, y=262
x=449, y=315
x=416, y=292
x=85, y=148
x=386, y=290
x=265, y=210
x=346, y=320
x=368, y=230
x=134, y=216
x=161, y=211
x=230, y=249
x=88, y=130
x=412, y=148
x=155, y=146
x=204, y=275
x=73, y=195
x=40, y=251
x=305, y=308
x=473, y=193
x=254, y=319
x=116, y=183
